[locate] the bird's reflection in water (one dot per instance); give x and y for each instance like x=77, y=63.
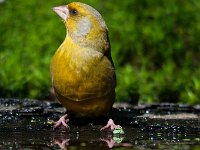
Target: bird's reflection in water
x=104, y=142
x=89, y=137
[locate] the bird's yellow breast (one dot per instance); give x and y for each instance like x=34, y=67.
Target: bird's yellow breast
x=83, y=79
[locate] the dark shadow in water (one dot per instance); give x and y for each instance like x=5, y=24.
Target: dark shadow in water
x=89, y=137
x=28, y=124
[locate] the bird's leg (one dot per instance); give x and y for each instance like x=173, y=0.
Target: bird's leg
x=62, y=121
x=111, y=125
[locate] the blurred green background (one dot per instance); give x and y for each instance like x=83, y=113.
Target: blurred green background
x=155, y=47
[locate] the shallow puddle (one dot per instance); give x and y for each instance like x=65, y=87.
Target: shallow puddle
x=89, y=137
x=28, y=125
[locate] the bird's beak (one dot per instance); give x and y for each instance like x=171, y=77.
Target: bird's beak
x=62, y=11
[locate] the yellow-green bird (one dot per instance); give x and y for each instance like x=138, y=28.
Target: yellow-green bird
x=82, y=70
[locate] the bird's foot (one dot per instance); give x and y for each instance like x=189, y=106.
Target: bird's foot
x=62, y=122
x=111, y=125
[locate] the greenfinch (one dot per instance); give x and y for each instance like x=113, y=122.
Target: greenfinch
x=82, y=70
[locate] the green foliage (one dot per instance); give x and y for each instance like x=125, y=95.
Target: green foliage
x=155, y=47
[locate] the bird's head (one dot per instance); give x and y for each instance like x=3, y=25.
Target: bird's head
x=82, y=21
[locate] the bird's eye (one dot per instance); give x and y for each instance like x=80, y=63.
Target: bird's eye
x=74, y=12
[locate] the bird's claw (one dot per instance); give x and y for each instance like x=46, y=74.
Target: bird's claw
x=111, y=125
x=62, y=121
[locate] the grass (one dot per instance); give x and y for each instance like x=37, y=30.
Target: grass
x=155, y=47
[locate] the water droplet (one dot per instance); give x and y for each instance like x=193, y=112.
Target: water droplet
x=147, y=111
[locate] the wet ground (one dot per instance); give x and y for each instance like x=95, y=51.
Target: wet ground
x=28, y=124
